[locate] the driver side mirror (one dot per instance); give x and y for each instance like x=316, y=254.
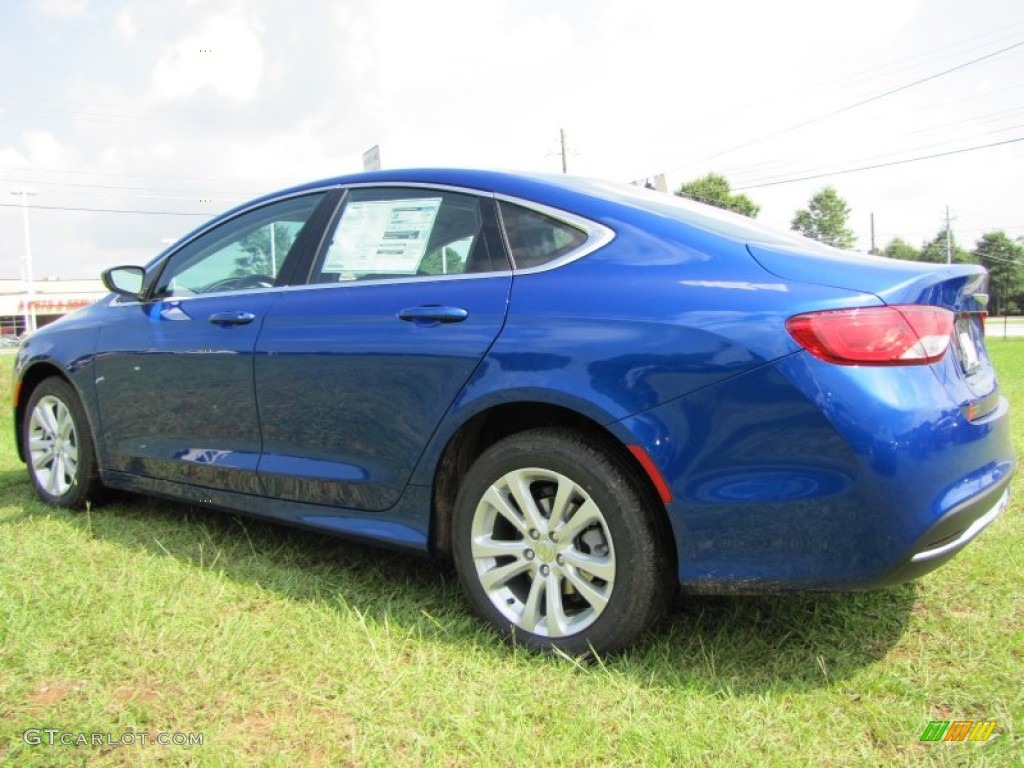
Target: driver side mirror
x=125, y=281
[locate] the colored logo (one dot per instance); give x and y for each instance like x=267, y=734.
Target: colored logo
x=958, y=730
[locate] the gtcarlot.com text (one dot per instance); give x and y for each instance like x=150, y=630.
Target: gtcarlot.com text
x=55, y=737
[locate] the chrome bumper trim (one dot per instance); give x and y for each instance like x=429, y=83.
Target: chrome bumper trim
x=973, y=530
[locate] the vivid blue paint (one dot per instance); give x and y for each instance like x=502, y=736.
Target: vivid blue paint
x=329, y=411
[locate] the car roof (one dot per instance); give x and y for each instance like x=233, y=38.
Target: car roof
x=604, y=201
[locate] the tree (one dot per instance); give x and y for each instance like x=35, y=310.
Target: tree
x=713, y=189
x=259, y=259
x=440, y=262
x=824, y=219
x=901, y=249
x=935, y=249
x=1004, y=260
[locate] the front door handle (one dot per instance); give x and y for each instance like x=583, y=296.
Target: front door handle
x=433, y=314
x=232, y=318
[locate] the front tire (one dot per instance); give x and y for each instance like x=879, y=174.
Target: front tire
x=557, y=544
x=58, y=446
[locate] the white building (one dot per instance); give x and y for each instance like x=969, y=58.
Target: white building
x=48, y=300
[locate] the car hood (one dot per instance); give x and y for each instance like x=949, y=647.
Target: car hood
x=956, y=286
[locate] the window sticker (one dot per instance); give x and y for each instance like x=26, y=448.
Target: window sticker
x=382, y=236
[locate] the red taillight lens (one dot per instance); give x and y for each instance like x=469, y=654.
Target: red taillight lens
x=902, y=335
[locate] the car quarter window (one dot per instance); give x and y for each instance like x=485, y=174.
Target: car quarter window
x=387, y=233
x=535, y=238
x=247, y=251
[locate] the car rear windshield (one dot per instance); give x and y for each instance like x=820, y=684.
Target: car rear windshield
x=731, y=225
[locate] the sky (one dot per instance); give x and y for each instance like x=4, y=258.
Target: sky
x=156, y=116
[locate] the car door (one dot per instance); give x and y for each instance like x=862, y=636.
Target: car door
x=355, y=370
x=174, y=372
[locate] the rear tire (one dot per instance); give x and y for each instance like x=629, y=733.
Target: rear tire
x=557, y=544
x=58, y=446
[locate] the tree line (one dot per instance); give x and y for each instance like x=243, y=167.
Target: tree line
x=826, y=219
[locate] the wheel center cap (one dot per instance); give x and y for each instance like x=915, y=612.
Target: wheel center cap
x=545, y=550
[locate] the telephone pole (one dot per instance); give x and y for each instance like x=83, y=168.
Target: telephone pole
x=873, y=251
x=30, y=286
x=561, y=136
x=949, y=240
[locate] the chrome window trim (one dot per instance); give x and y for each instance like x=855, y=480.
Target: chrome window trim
x=175, y=299
x=216, y=221
x=420, y=280
x=598, y=236
x=417, y=185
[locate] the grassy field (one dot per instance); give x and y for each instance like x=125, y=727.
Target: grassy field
x=285, y=648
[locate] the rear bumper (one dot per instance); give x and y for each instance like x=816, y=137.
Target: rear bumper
x=806, y=476
x=950, y=534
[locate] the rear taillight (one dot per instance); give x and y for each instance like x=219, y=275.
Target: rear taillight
x=899, y=335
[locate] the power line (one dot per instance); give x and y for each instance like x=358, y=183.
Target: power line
x=130, y=175
x=860, y=103
x=105, y=210
x=921, y=59
x=1003, y=34
x=1005, y=261
x=880, y=165
x=838, y=166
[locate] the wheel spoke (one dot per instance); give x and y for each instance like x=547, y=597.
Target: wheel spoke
x=486, y=546
x=496, y=577
x=497, y=500
x=65, y=424
x=519, y=486
x=42, y=459
x=596, y=596
x=587, y=513
x=71, y=462
x=563, y=497
x=46, y=418
x=557, y=621
x=54, y=479
x=40, y=444
x=601, y=567
x=530, y=617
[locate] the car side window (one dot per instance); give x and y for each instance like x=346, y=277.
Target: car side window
x=247, y=251
x=392, y=233
x=535, y=238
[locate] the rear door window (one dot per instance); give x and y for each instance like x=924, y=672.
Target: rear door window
x=392, y=233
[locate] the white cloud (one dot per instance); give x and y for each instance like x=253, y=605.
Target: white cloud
x=43, y=148
x=12, y=158
x=226, y=55
x=125, y=23
x=62, y=9
x=640, y=86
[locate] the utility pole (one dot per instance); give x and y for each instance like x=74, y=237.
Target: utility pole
x=561, y=136
x=873, y=250
x=30, y=286
x=949, y=240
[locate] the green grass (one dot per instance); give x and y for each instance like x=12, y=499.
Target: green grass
x=287, y=648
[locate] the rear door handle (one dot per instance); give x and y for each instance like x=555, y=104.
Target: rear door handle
x=232, y=318
x=433, y=314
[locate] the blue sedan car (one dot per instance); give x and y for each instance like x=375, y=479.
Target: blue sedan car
x=585, y=395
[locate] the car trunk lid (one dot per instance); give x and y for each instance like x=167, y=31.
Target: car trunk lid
x=966, y=370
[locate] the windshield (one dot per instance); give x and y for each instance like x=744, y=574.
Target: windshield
x=706, y=217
